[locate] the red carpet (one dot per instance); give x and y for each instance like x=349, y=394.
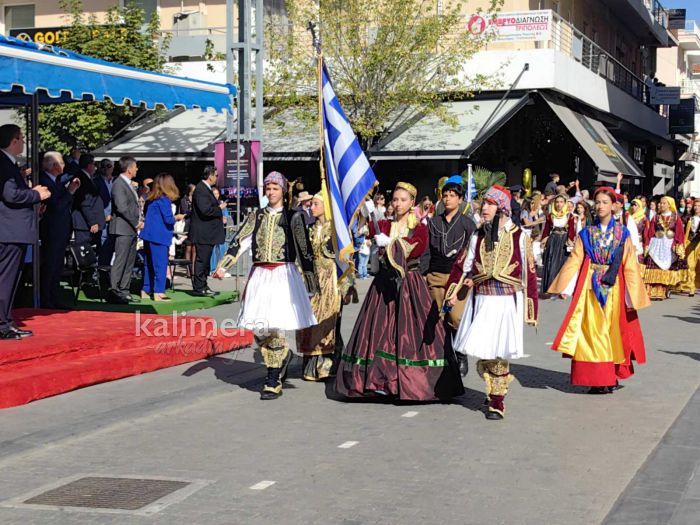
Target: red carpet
x=73, y=349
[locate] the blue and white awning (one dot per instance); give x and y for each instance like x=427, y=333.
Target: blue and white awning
x=58, y=75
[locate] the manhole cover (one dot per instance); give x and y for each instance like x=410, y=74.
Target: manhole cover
x=108, y=493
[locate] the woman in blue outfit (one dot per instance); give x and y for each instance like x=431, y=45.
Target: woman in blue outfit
x=157, y=235
x=220, y=250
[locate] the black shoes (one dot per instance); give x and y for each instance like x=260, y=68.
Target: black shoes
x=207, y=292
x=268, y=395
x=598, y=390
x=22, y=333
x=494, y=416
x=9, y=335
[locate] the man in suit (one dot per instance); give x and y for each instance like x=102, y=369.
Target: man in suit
x=206, y=230
x=123, y=228
x=73, y=161
x=18, y=220
x=103, y=181
x=55, y=226
x=88, y=211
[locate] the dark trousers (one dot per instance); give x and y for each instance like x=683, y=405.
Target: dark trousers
x=155, y=268
x=124, y=259
x=202, y=266
x=11, y=259
x=53, y=250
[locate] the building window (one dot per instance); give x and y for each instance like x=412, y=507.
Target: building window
x=149, y=7
x=19, y=17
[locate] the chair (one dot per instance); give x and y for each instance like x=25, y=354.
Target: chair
x=173, y=264
x=85, y=260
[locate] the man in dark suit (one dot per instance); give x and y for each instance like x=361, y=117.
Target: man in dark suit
x=55, y=226
x=88, y=209
x=18, y=220
x=123, y=228
x=206, y=229
x=103, y=181
x=73, y=161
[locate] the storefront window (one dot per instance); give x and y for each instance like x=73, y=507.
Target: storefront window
x=19, y=17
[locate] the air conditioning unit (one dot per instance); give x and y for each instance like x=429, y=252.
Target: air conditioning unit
x=188, y=21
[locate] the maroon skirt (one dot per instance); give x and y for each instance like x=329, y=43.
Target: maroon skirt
x=397, y=347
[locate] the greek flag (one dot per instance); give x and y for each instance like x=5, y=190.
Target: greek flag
x=471, y=185
x=348, y=173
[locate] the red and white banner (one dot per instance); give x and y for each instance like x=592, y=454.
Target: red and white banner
x=516, y=25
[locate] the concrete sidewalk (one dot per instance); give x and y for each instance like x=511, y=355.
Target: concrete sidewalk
x=559, y=457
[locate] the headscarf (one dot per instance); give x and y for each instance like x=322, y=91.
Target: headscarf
x=637, y=215
x=564, y=211
x=275, y=177
x=499, y=196
x=671, y=203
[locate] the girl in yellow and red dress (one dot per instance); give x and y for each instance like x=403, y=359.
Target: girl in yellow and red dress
x=665, y=251
x=601, y=332
x=397, y=347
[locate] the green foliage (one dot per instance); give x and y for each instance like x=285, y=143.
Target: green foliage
x=123, y=38
x=390, y=60
x=484, y=179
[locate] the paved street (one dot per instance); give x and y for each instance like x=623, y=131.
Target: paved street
x=559, y=457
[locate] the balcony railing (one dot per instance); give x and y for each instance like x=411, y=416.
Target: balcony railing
x=657, y=11
x=572, y=42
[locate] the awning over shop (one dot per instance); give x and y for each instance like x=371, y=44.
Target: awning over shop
x=189, y=135
x=57, y=75
x=432, y=139
x=597, y=141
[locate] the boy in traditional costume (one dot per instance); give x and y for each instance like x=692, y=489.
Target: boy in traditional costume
x=601, y=332
x=450, y=231
x=276, y=297
x=500, y=269
x=397, y=345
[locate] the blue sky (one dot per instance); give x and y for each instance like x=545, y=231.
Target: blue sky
x=692, y=7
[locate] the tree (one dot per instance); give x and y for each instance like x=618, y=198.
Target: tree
x=483, y=179
x=389, y=60
x=123, y=38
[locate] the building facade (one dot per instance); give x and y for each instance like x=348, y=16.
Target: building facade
x=573, y=98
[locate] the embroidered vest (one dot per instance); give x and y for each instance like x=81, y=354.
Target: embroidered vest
x=502, y=264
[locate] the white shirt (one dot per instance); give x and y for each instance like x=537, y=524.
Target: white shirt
x=694, y=223
x=634, y=233
x=128, y=181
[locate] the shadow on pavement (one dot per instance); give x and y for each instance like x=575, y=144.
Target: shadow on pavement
x=230, y=371
x=533, y=377
x=692, y=355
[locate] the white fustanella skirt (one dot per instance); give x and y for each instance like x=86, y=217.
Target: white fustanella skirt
x=491, y=327
x=276, y=299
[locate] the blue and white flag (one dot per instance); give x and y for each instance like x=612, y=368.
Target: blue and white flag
x=348, y=173
x=471, y=185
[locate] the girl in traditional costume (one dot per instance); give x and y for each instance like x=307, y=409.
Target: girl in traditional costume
x=500, y=268
x=692, y=251
x=397, y=345
x=637, y=214
x=276, y=296
x=665, y=251
x=322, y=344
x=601, y=331
x=558, y=239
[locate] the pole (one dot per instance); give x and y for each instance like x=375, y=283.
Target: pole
x=33, y=154
x=238, y=192
x=229, y=61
